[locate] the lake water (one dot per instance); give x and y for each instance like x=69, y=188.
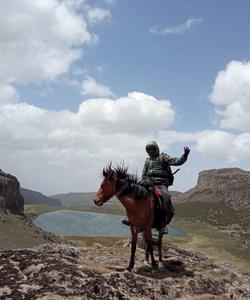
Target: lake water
x=77, y=223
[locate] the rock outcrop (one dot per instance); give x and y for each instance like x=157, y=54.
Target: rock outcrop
x=230, y=186
x=10, y=197
x=65, y=272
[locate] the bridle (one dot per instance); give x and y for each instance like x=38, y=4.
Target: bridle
x=113, y=191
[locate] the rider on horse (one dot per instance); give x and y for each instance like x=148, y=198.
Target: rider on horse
x=157, y=169
x=157, y=173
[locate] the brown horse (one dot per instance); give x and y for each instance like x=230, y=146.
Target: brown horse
x=139, y=208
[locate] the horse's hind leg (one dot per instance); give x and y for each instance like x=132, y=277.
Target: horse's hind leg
x=133, y=247
x=149, y=247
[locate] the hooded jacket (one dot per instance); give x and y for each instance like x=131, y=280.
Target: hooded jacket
x=159, y=170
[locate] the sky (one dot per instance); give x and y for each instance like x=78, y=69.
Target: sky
x=84, y=83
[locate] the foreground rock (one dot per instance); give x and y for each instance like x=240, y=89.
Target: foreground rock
x=65, y=272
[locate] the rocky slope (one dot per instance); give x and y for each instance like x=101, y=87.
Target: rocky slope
x=19, y=232
x=65, y=272
x=10, y=197
x=221, y=198
x=231, y=186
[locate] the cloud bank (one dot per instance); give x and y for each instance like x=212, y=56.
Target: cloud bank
x=231, y=96
x=60, y=142
x=62, y=151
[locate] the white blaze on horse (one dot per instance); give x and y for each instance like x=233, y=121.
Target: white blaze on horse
x=139, y=207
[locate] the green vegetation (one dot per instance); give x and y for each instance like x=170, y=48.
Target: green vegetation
x=215, y=214
x=211, y=227
x=114, y=209
x=88, y=241
x=75, y=199
x=4, y=178
x=221, y=244
x=34, y=210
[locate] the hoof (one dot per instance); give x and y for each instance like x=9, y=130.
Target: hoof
x=155, y=266
x=161, y=265
x=129, y=269
x=146, y=263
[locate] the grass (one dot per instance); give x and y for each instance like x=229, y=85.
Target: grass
x=88, y=241
x=216, y=243
x=214, y=213
x=4, y=178
x=34, y=210
x=206, y=224
x=115, y=210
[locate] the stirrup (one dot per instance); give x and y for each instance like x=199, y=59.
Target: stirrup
x=165, y=230
x=125, y=222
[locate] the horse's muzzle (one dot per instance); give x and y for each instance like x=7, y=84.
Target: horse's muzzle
x=98, y=202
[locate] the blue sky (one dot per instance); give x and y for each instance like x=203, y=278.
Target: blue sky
x=82, y=81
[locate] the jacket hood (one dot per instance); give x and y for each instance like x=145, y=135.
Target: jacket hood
x=155, y=145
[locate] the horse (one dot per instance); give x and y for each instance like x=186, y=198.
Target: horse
x=139, y=207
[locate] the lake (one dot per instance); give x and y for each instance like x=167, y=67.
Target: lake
x=78, y=223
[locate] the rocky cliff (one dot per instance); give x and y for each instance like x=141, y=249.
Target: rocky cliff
x=230, y=186
x=16, y=230
x=97, y=272
x=10, y=197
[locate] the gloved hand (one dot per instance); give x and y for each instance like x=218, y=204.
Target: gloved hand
x=186, y=151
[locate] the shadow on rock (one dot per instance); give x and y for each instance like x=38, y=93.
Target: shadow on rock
x=172, y=268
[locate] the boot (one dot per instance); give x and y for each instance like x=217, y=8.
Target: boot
x=126, y=222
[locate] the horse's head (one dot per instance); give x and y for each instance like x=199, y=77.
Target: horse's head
x=107, y=188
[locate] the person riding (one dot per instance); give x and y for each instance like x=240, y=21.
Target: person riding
x=157, y=169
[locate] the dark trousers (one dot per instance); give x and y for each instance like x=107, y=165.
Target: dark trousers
x=168, y=206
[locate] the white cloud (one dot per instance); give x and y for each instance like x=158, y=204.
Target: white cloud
x=211, y=144
x=68, y=149
x=8, y=94
x=138, y=113
x=189, y=24
x=96, y=15
x=90, y=87
x=223, y=146
x=39, y=40
x=231, y=95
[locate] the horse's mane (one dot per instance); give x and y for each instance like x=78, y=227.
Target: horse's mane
x=128, y=184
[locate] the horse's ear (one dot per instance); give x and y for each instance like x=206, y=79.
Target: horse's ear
x=111, y=175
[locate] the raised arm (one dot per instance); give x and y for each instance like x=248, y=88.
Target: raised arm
x=177, y=161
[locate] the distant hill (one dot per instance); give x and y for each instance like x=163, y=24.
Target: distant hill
x=32, y=197
x=175, y=193
x=221, y=198
x=85, y=200
x=75, y=199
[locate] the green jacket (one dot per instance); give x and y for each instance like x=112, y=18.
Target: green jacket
x=158, y=169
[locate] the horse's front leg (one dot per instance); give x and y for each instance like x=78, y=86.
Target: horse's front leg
x=133, y=247
x=159, y=242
